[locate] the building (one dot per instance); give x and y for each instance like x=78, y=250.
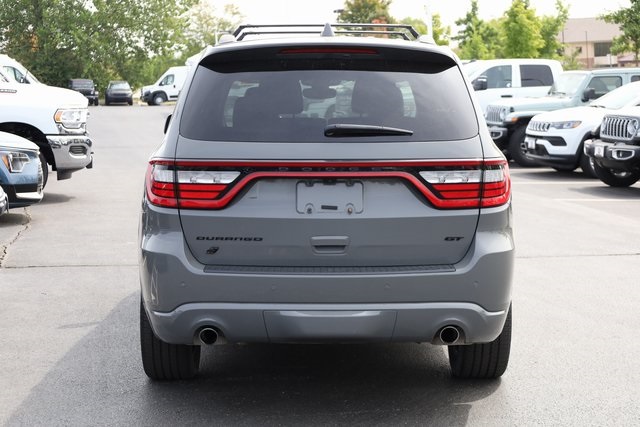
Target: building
x=592, y=39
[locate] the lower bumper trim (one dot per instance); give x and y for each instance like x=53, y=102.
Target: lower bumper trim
x=406, y=322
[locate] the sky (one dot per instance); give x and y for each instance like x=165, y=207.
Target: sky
x=321, y=11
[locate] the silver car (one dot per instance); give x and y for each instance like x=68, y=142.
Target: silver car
x=326, y=189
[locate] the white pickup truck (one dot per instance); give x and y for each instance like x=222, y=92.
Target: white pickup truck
x=52, y=117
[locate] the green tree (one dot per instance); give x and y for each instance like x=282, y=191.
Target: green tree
x=522, y=29
x=476, y=39
x=205, y=25
x=99, y=39
x=629, y=21
x=365, y=11
x=440, y=33
x=550, y=27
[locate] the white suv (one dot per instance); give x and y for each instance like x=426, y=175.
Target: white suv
x=556, y=138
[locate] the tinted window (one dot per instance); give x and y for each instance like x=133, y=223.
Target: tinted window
x=498, y=77
x=604, y=84
x=275, y=104
x=536, y=75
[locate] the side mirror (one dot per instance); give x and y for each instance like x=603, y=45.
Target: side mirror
x=166, y=123
x=480, y=83
x=588, y=94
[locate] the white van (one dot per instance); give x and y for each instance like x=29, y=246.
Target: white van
x=167, y=88
x=15, y=71
x=511, y=78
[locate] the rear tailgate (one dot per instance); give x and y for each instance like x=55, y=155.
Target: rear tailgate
x=260, y=182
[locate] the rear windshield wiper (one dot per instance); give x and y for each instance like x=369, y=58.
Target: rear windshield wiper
x=347, y=130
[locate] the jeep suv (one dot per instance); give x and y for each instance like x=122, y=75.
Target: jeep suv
x=508, y=118
x=615, y=148
x=87, y=88
x=326, y=189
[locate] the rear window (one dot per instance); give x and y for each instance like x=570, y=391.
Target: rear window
x=295, y=99
x=536, y=75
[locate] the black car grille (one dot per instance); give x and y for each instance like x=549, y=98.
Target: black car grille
x=616, y=127
x=78, y=150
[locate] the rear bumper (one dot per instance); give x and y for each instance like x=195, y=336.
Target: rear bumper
x=327, y=322
x=182, y=296
x=618, y=156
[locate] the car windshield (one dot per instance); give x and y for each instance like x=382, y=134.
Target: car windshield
x=119, y=86
x=567, y=84
x=277, y=103
x=623, y=96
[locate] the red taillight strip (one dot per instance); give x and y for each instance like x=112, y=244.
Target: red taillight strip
x=452, y=196
x=160, y=193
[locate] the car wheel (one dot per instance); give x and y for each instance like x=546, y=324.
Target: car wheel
x=164, y=361
x=106, y=101
x=482, y=361
x=615, y=178
x=159, y=98
x=518, y=148
x=45, y=170
x=586, y=164
x=130, y=102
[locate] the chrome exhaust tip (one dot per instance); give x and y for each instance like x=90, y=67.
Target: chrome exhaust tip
x=208, y=336
x=449, y=335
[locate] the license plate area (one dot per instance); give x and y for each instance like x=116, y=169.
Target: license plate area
x=531, y=143
x=598, y=151
x=321, y=196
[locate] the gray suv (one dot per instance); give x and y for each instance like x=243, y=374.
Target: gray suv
x=326, y=189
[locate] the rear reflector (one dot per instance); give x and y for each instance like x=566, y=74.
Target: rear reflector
x=213, y=185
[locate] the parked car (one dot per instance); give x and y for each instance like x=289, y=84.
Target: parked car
x=118, y=91
x=4, y=202
x=557, y=138
x=20, y=170
x=615, y=148
x=494, y=79
x=54, y=118
x=87, y=88
x=166, y=88
x=262, y=222
x=508, y=118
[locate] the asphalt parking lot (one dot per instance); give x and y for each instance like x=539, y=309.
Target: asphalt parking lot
x=68, y=318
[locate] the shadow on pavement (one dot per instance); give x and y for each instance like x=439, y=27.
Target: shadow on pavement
x=17, y=216
x=100, y=382
x=54, y=198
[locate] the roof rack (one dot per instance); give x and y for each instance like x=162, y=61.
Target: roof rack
x=407, y=32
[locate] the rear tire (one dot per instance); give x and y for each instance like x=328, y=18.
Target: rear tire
x=482, y=361
x=163, y=361
x=615, y=178
x=518, y=148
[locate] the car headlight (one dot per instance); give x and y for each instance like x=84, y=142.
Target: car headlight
x=632, y=127
x=503, y=114
x=14, y=161
x=566, y=125
x=71, y=118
